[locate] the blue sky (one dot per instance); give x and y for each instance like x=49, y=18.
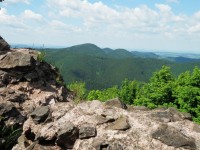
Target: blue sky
x=151, y=25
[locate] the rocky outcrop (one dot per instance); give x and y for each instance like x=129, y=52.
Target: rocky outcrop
x=33, y=98
x=79, y=124
x=27, y=87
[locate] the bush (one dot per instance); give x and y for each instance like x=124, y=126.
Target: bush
x=79, y=90
x=41, y=56
x=103, y=95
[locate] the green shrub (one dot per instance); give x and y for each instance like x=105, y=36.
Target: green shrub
x=41, y=56
x=79, y=90
x=103, y=95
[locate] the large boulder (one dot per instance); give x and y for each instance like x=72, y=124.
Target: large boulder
x=67, y=136
x=120, y=124
x=116, y=103
x=87, y=132
x=170, y=115
x=40, y=114
x=4, y=45
x=173, y=137
x=15, y=59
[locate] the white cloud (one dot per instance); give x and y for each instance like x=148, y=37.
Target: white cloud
x=29, y=14
x=164, y=8
x=172, y=1
x=87, y=21
x=194, y=29
x=7, y=2
x=59, y=25
x=197, y=15
x=10, y=20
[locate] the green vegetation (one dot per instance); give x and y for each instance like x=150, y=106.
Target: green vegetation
x=79, y=90
x=159, y=91
x=99, y=74
x=162, y=90
x=103, y=95
x=104, y=68
x=41, y=56
x=8, y=135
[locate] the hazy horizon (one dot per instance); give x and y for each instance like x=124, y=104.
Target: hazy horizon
x=35, y=46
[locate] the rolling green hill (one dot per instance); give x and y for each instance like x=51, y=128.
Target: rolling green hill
x=103, y=68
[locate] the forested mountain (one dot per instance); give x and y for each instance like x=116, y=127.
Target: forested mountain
x=103, y=68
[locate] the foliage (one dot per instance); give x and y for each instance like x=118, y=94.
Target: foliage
x=101, y=69
x=163, y=90
x=103, y=95
x=159, y=91
x=9, y=135
x=41, y=56
x=79, y=90
x=187, y=93
x=128, y=91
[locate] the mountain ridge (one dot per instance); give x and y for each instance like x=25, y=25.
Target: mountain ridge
x=103, y=68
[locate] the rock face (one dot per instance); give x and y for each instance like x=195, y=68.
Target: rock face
x=27, y=87
x=87, y=132
x=16, y=59
x=40, y=114
x=173, y=137
x=67, y=136
x=116, y=103
x=3, y=45
x=32, y=99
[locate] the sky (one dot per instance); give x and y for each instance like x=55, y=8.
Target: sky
x=150, y=25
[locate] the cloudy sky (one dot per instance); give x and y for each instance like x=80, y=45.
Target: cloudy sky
x=160, y=25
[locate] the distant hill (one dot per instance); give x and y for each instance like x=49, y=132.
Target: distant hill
x=103, y=68
x=145, y=54
x=181, y=59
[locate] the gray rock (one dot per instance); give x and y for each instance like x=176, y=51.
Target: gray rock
x=87, y=132
x=12, y=95
x=16, y=59
x=100, y=144
x=170, y=115
x=196, y=128
x=41, y=147
x=120, y=124
x=186, y=116
x=4, y=45
x=40, y=114
x=162, y=116
x=116, y=103
x=31, y=76
x=115, y=146
x=67, y=136
x=102, y=120
x=8, y=110
x=173, y=137
x=10, y=114
x=109, y=113
x=137, y=108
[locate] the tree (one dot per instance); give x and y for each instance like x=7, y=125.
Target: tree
x=159, y=91
x=128, y=91
x=187, y=93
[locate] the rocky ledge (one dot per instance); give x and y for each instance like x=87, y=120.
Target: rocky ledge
x=31, y=98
